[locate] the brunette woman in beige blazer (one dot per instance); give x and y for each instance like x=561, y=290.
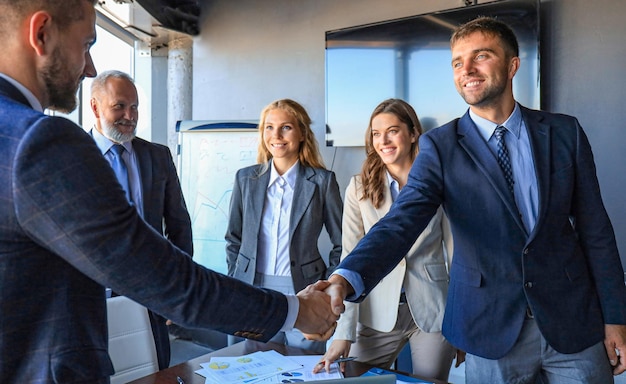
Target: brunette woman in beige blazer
x=408, y=304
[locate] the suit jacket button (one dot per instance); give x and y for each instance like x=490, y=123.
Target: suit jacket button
x=293, y=263
x=528, y=284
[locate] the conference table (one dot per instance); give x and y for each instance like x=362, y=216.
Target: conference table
x=186, y=370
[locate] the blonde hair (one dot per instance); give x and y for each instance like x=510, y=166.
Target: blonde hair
x=308, y=153
x=373, y=173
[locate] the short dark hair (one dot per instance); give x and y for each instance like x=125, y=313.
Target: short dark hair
x=489, y=26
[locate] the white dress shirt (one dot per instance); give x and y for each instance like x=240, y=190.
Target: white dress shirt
x=273, y=253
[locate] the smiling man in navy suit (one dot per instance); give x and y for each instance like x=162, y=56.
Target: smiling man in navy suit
x=153, y=183
x=536, y=285
x=68, y=230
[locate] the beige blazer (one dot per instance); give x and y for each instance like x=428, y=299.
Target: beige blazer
x=423, y=272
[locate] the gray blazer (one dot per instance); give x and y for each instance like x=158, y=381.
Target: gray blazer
x=317, y=202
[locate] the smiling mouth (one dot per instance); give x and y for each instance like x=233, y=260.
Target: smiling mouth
x=387, y=150
x=472, y=84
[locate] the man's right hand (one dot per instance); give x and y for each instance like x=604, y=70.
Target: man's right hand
x=338, y=289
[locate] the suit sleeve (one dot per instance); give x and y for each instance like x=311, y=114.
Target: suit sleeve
x=352, y=231
x=175, y=214
x=333, y=208
x=69, y=202
x=389, y=240
x=234, y=229
x=596, y=235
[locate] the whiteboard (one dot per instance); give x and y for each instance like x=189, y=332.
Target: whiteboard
x=210, y=153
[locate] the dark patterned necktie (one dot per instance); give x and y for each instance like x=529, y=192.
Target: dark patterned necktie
x=503, y=157
x=119, y=166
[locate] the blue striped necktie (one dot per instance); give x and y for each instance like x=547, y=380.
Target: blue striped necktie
x=503, y=156
x=119, y=167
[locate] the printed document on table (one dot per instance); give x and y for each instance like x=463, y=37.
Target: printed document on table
x=248, y=368
x=305, y=373
x=264, y=368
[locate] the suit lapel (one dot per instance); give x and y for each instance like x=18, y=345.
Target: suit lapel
x=478, y=150
x=303, y=192
x=539, y=134
x=144, y=160
x=258, y=186
x=386, y=205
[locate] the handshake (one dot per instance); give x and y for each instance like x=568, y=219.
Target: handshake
x=321, y=304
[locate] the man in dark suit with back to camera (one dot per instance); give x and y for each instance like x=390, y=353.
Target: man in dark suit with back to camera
x=68, y=229
x=150, y=176
x=536, y=284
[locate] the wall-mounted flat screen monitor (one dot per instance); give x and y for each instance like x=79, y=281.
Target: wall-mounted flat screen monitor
x=410, y=58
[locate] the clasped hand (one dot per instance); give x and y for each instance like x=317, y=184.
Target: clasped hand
x=321, y=304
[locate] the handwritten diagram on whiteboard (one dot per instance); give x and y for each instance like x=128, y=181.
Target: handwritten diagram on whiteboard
x=209, y=157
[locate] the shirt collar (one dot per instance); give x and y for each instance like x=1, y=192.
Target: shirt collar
x=394, y=186
x=104, y=144
x=289, y=176
x=486, y=127
x=34, y=103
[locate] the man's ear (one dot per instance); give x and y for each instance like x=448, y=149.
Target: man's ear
x=40, y=32
x=513, y=66
x=94, y=107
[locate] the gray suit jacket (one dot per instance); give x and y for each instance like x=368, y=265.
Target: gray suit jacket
x=422, y=273
x=66, y=232
x=317, y=202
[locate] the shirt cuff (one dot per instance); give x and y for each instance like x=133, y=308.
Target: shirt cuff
x=293, y=306
x=354, y=279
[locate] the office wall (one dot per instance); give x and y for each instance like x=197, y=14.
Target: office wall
x=251, y=52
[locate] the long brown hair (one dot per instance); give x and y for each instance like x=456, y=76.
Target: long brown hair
x=373, y=173
x=308, y=154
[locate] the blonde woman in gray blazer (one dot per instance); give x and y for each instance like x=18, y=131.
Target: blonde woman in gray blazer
x=278, y=208
x=408, y=304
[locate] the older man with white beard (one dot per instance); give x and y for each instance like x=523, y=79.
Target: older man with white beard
x=146, y=171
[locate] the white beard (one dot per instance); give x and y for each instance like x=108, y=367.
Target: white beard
x=110, y=132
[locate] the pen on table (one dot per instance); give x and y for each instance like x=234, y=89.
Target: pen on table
x=180, y=381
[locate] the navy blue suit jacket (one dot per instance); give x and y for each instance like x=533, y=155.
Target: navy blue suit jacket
x=66, y=231
x=567, y=270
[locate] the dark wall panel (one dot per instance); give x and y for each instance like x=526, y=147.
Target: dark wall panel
x=583, y=56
